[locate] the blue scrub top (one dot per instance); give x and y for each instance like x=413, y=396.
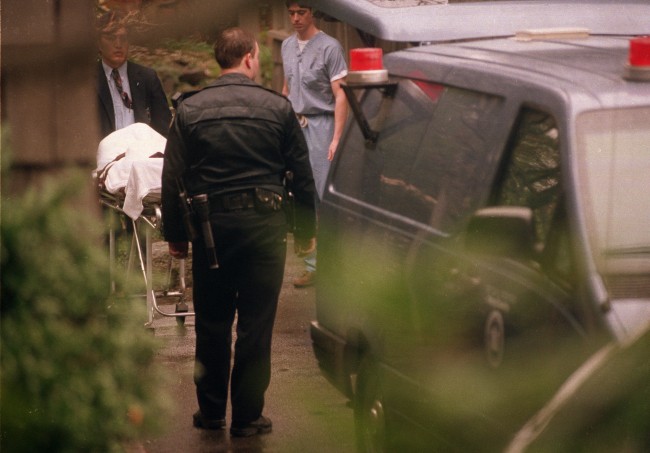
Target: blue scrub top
x=309, y=73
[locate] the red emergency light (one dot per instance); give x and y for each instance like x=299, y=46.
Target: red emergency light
x=366, y=66
x=366, y=59
x=638, y=67
x=640, y=51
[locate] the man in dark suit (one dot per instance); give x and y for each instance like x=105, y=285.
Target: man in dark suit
x=128, y=92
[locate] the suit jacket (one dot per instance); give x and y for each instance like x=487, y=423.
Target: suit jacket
x=149, y=101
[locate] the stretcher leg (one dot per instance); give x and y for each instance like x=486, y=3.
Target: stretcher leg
x=150, y=221
x=146, y=265
x=112, y=253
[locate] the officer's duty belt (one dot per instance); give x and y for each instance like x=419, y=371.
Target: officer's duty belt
x=236, y=201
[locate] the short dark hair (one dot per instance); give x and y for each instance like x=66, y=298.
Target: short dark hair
x=288, y=3
x=232, y=45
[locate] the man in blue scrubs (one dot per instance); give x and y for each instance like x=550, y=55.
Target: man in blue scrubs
x=314, y=67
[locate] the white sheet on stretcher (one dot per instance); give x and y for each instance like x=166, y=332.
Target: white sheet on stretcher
x=144, y=179
x=137, y=173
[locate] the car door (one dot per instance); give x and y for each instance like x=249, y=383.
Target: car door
x=492, y=318
x=429, y=169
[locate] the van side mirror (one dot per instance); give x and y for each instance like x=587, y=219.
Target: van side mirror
x=505, y=231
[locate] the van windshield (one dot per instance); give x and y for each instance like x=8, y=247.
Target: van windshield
x=614, y=180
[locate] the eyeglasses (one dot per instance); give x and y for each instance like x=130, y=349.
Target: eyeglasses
x=115, y=38
x=299, y=12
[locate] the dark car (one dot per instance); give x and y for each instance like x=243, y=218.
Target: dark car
x=485, y=225
x=602, y=407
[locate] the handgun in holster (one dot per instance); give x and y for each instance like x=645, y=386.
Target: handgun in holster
x=201, y=207
x=290, y=204
x=188, y=215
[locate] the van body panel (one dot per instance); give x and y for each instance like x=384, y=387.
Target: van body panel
x=421, y=273
x=439, y=22
x=593, y=81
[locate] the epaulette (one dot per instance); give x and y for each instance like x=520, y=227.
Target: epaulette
x=271, y=90
x=179, y=97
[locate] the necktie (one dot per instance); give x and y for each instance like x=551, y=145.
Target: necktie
x=123, y=94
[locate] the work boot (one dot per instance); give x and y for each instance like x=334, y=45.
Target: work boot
x=262, y=425
x=199, y=421
x=308, y=278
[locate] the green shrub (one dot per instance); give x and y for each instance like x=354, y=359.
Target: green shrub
x=78, y=371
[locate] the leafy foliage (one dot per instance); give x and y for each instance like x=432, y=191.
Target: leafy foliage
x=174, y=59
x=78, y=370
x=178, y=61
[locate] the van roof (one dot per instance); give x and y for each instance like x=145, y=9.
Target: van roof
x=594, y=67
x=432, y=22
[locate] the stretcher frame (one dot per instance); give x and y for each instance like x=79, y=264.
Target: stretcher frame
x=150, y=220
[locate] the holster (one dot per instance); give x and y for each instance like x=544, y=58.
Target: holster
x=201, y=207
x=267, y=201
x=262, y=200
x=289, y=204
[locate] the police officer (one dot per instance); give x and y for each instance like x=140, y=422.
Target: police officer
x=234, y=141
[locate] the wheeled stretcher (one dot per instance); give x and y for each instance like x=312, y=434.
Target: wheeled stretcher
x=128, y=176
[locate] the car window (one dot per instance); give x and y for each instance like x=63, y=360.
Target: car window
x=430, y=162
x=361, y=169
x=455, y=155
x=531, y=170
x=531, y=177
x=613, y=167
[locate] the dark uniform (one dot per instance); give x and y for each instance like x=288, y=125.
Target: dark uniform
x=234, y=140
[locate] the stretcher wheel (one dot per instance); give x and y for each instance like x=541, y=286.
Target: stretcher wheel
x=181, y=307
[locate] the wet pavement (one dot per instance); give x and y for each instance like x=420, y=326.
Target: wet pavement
x=308, y=414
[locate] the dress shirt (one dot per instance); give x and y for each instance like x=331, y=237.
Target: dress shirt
x=123, y=115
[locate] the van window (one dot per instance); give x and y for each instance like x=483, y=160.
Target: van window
x=431, y=160
x=531, y=170
x=360, y=169
x=613, y=171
